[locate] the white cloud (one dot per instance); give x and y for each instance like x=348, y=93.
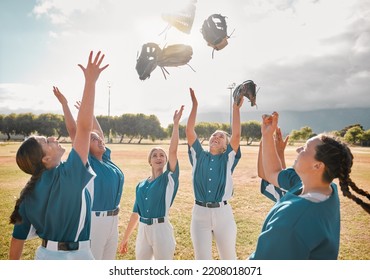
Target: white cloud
x=60, y=10
x=313, y=52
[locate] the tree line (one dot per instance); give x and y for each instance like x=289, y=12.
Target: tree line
x=132, y=126
x=137, y=127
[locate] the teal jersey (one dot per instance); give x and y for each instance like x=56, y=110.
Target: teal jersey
x=154, y=199
x=272, y=192
x=297, y=228
x=212, y=174
x=59, y=208
x=108, y=183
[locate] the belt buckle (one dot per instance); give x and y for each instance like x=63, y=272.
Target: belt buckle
x=68, y=246
x=209, y=205
x=147, y=221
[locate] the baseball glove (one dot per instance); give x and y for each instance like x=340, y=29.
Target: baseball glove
x=214, y=31
x=147, y=61
x=182, y=20
x=247, y=89
x=175, y=55
x=152, y=56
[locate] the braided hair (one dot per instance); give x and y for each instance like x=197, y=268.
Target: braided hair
x=29, y=159
x=338, y=161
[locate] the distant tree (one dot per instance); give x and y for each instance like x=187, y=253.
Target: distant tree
x=61, y=130
x=204, y=130
x=295, y=135
x=105, y=124
x=303, y=134
x=224, y=127
x=9, y=125
x=47, y=124
x=365, y=138
x=141, y=127
x=306, y=132
x=343, y=131
x=133, y=124
x=182, y=128
x=25, y=124
x=154, y=128
x=251, y=131
x=354, y=135
x=120, y=126
x=2, y=123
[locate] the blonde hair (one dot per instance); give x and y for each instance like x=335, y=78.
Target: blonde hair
x=155, y=149
x=227, y=135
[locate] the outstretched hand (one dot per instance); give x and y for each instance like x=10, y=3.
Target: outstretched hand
x=238, y=104
x=61, y=98
x=177, y=115
x=279, y=142
x=78, y=105
x=93, y=70
x=269, y=123
x=193, y=97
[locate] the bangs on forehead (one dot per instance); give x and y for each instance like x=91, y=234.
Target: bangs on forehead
x=152, y=151
x=223, y=133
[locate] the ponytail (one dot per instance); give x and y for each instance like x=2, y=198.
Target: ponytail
x=29, y=159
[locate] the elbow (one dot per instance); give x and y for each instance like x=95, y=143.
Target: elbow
x=260, y=175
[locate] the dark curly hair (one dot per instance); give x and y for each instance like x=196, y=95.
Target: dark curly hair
x=338, y=161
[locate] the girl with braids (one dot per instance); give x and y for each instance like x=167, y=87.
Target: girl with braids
x=55, y=203
x=305, y=221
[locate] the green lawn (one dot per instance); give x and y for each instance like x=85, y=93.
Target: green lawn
x=250, y=207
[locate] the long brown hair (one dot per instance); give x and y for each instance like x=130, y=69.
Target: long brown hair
x=29, y=159
x=338, y=161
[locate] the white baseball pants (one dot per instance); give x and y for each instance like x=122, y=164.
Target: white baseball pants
x=156, y=241
x=104, y=236
x=219, y=223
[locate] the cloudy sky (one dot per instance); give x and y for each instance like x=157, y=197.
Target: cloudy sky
x=303, y=54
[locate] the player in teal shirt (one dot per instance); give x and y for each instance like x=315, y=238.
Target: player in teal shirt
x=304, y=224
x=154, y=197
x=106, y=188
x=212, y=215
x=55, y=204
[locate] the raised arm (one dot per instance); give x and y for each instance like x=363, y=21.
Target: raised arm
x=191, y=136
x=86, y=112
x=236, y=128
x=96, y=126
x=172, y=154
x=270, y=158
x=260, y=171
x=68, y=118
x=280, y=145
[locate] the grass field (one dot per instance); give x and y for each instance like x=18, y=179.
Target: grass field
x=250, y=207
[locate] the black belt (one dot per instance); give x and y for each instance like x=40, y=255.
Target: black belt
x=150, y=221
x=108, y=213
x=211, y=204
x=63, y=246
